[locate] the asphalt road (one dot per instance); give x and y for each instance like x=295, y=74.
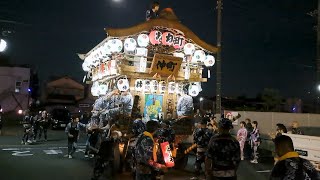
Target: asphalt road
x=45, y=160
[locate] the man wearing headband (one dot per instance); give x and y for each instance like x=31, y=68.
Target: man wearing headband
x=223, y=154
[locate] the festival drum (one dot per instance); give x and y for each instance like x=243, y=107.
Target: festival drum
x=143, y=40
x=130, y=44
x=189, y=49
x=198, y=56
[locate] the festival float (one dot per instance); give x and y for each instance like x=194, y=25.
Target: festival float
x=158, y=65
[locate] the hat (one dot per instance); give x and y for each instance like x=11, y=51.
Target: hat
x=225, y=123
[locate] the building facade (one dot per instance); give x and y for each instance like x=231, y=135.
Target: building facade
x=66, y=93
x=14, y=88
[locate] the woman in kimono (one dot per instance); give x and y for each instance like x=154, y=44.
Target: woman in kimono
x=242, y=136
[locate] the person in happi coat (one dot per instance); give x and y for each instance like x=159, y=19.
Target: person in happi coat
x=153, y=12
x=146, y=154
x=201, y=138
x=242, y=136
x=289, y=165
x=223, y=154
x=73, y=132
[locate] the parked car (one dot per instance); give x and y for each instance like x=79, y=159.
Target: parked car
x=60, y=118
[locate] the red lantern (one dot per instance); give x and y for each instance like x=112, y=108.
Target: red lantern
x=167, y=38
x=167, y=154
x=179, y=42
x=155, y=37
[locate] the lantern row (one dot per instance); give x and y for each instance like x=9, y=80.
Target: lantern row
x=148, y=86
x=138, y=47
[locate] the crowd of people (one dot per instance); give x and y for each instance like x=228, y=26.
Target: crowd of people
x=35, y=125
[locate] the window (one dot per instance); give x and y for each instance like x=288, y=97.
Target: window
x=18, y=86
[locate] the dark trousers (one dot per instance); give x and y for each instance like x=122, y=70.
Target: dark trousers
x=36, y=131
x=200, y=158
x=72, y=146
x=44, y=131
x=247, y=150
x=26, y=135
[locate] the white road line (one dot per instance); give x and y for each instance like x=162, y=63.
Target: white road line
x=10, y=149
x=21, y=153
x=54, y=152
x=264, y=171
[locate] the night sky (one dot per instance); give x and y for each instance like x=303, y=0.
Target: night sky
x=266, y=44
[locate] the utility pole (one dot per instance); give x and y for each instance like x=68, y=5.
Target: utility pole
x=318, y=45
x=318, y=56
x=218, y=62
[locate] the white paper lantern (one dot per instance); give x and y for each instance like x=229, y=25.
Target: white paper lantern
x=103, y=89
x=171, y=87
x=89, y=60
x=143, y=40
x=189, y=49
x=130, y=44
x=193, y=90
x=179, y=88
x=123, y=84
x=209, y=61
x=138, y=85
x=116, y=45
x=142, y=52
x=107, y=47
x=154, y=86
x=95, y=89
x=162, y=86
x=146, y=85
x=198, y=56
x=143, y=64
x=85, y=66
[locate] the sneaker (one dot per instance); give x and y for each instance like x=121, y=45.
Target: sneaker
x=22, y=142
x=86, y=156
x=194, y=178
x=29, y=141
x=67, y=155
x=254, y=161
x=70, y=157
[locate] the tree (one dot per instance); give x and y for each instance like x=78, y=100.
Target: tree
x=271, y=98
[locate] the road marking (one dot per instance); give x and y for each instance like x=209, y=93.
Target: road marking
x=21, y=153
x=10, y=149
x=264, y=171
x=81, y=150
x=54, y=152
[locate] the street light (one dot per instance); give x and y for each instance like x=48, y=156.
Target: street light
x=3, y=45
